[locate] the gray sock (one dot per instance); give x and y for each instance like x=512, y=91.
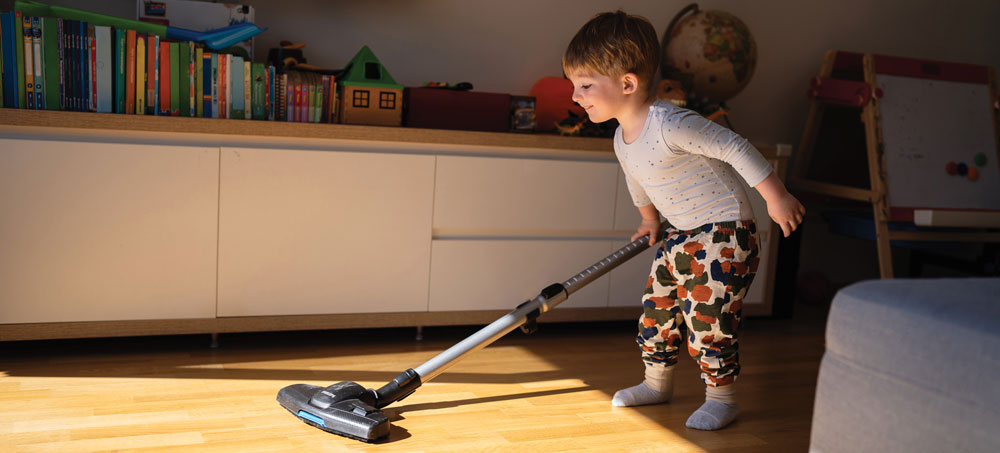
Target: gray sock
x=658, y=387
x=719, y=410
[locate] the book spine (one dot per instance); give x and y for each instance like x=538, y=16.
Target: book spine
x=79, y=88
x=119, y=70
x=190, y=65
x=227, y=87
x=22, y=93
x=247, y=93
x=151, y=51
x=9, y=59
x=38, y=57
x=62, y=64
x=130, y=43
x=236, y=82
x=92, y=65
x=105, y=69
x=271, y=98
x=199, y=82
x=50, y=51
x=140, y=73
x=164, y=73
x=29, y=64
x=182, y=76
x=215, y=85
x=156, y=75
x=289, y=98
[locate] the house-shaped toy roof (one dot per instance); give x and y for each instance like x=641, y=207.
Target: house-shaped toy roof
x=366, y=71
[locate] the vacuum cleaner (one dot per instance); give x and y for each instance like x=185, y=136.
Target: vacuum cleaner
x=351, y=410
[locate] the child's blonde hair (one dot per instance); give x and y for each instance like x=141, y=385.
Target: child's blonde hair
x=614, y=44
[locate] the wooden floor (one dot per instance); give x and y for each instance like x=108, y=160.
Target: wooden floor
x=547, y=392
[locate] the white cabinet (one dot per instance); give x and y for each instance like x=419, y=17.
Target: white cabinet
x=317, y=232
x=102, y=231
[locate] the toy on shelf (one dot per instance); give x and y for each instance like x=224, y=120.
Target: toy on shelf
x=553, y=98
x=369, y=95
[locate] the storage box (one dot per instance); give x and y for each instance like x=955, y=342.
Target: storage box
x=438, y=108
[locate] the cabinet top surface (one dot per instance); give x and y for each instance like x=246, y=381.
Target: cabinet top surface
x=114, y=124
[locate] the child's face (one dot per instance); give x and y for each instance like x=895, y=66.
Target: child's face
x=601, y=96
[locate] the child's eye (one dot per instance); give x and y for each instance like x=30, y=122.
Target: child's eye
x=585, y=87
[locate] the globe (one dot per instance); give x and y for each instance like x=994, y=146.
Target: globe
x=711, y=52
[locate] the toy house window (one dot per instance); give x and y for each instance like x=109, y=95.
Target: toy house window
x=387, y=101
x=372, y=71
x=361, y=98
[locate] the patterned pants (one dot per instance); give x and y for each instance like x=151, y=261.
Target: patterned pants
x=699, y=278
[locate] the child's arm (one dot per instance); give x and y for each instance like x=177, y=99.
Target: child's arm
x=650, y=224
x=782, y=206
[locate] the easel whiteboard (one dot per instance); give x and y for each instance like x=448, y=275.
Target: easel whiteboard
x=925, y=125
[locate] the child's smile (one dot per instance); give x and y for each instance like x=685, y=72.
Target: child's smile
x=597, y=95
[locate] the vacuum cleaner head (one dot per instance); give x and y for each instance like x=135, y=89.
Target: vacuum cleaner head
x=344, y=408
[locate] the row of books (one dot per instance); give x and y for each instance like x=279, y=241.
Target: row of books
x=63, y=64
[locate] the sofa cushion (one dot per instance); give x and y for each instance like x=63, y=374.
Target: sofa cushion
x=911, y=365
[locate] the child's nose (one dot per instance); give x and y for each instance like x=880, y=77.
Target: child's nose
x=576, y=96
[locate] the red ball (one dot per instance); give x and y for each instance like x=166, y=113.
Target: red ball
x=553, y=102
x=951, y=168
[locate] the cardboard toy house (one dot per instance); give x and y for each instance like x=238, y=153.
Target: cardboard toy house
x=368, y=94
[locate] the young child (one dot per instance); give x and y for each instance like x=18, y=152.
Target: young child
x=684, y=167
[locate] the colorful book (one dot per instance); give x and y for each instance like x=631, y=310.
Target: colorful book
x=270, y=93
x=119, y=69
x=7, y=45
x=130, y=43
x=70, y=62
x=157, y=108
x=236, y=81
x=104, y=68
x=183, y=80
x=247, y=94
x=29, y=63
x=140, y=73
x=19, y=49
x=152, y=50
x=91, y=45
x=215, y=85
x=257, y=88
x=224, y=93
x=36, y=49
x=199, y=82
x=163, y=79
x=188, y=63
x=171, y=102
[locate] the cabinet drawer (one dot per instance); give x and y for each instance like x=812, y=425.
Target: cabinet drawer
x=500, y=274
x=500, y=194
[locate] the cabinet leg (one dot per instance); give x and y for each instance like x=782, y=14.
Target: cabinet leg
x=420, y=333
x=214, y=344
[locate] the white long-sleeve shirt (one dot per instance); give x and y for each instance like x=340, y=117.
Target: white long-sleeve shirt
x=684, y=164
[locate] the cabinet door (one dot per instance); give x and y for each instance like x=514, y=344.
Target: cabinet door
x=101, y=232
x=313, y=232
x=500, y=274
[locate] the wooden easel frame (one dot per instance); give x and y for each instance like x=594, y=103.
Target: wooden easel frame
x=877, y=194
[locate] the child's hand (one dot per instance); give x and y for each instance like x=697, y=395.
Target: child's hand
x=786, y=211
x=650, y=227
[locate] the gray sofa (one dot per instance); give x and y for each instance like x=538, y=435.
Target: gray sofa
x=911, y=366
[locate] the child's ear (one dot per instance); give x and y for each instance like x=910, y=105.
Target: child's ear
x=630, y=83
